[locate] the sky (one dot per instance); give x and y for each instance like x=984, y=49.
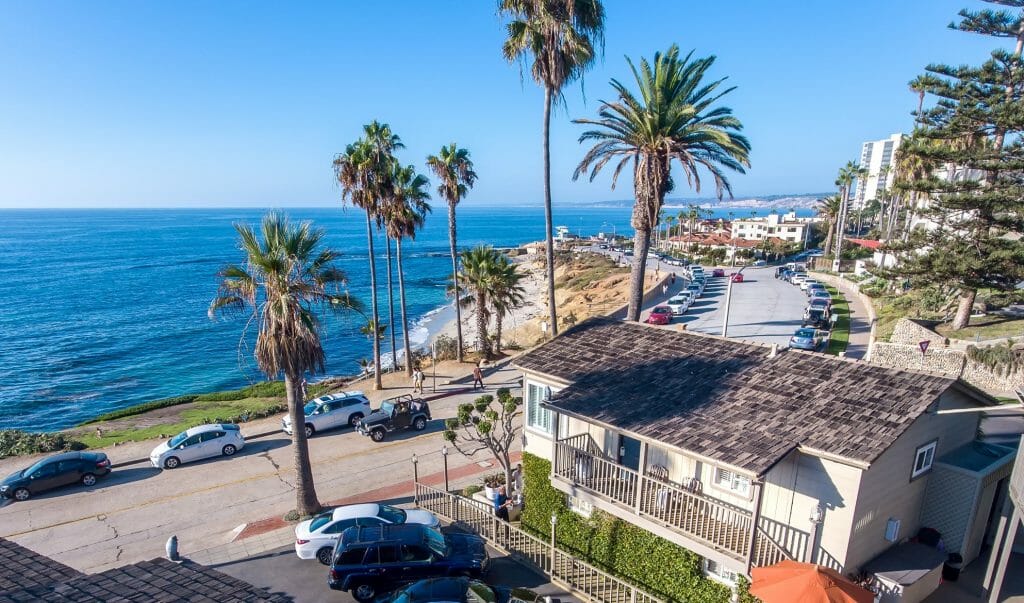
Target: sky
x=245, y=103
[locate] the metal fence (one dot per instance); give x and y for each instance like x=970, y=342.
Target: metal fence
x=585, y=580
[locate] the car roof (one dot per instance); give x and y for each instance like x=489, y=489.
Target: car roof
x=64, y=456
x=336, y=396
x=354, y=511
x=209, y=427
x=676, y=297
x=406, y=532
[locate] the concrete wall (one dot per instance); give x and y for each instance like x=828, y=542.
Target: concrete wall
x=887, y=490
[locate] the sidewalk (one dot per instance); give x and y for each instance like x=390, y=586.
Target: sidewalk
x=860, y=318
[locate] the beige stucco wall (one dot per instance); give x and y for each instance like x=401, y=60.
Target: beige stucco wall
x=887, y=490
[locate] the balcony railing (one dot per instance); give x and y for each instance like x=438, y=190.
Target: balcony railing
x=712, y=522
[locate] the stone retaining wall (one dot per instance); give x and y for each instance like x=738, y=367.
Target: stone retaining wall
x=909, y=356
x=909, y=331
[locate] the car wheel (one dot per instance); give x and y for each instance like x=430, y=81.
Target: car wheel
x=364, y=592
x=419, y=424
x=229, y=450
x=22, y=494
x=171, y=462
x=355, y=418
x=88, y=479
x=377, y=435
x=310, y=431
x=325, y=555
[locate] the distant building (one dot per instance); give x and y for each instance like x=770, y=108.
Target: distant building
x=876, y=157
x=787, y=227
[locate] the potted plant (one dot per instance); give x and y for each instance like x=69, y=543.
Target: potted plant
x=491, y=484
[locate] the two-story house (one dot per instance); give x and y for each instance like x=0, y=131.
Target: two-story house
x=747, y=454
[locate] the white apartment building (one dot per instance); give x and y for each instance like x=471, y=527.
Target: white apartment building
x=876, y=156
x=787, y=227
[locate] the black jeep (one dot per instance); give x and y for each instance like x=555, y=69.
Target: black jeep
x=400, y=412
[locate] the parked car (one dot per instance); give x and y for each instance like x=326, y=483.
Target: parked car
x=820, y=294
x=695, y=289
x=55, y=471
x=400, y=412
x=717, y=272
x=460, y=590
x=331, y=411
x=798, y=278
x=317, y=538
x=660, y=315
x=679, y=304
x=696, y=271
x=737, y=278
x=760, y=263
x=814, y=287
x=819, y=303
x=807, y=282
x=819, y=319
x=806, y=339
x=197, y=443
x=371, y=559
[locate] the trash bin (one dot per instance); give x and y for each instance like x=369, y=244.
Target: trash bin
x=951, y=568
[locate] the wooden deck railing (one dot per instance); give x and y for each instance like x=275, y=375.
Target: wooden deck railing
x=586, y=580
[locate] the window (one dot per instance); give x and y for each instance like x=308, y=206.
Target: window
x=353, y=556
x=923, y=459
x=715, y=570
x=388, y=554
x=207, y=436
x=537, y=417
x=412, y=552
x=732, y=481
x=339, y=526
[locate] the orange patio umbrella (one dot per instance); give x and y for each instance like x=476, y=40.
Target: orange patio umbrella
x=795, y=582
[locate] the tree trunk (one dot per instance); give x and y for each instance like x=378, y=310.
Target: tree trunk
x=497, y=331
x=549, y=245
x=455, y=281
x=642, y=243
x=391, y=307
x=306, y=502
x=401, y=303
x=482, y=342
x=828, y=237
x=373, y=306
x=964, y=308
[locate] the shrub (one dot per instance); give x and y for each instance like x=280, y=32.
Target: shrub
x=620, y=548
x=14, y=442
x=469, y=491
x=446, y=348
x=1001, y=359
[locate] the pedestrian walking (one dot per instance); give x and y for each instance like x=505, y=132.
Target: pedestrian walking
x=478, y=377
x=417, y=380
x=664, y=289
x=673, y=278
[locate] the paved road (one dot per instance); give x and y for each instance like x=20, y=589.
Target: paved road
x=129, y=516
x=281, y=571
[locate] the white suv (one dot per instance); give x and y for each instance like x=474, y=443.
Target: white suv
x=680, y=303
x=330, y=411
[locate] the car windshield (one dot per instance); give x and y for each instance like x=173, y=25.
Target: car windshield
x=436, y=542
x=661, y=310
x=676, y=300
x=178, y=439
x=386, y=407
x=391, y=514
x=309, y=408
x=320, y=520
x=805, y=333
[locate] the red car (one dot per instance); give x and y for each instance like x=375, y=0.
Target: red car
x=660, y=315
x=737, y=278
x=718, y=272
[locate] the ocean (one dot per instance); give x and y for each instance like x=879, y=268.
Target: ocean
x=105, y=309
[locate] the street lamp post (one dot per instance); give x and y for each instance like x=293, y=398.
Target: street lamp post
x=728, y=302
x=444, y=453
x=554, y=521
x=415, y=479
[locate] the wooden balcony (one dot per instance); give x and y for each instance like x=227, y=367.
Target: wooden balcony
x=713, y=523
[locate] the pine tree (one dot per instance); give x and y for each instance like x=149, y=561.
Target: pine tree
x=975, y=126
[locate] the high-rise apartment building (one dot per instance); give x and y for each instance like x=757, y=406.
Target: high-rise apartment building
x=877, y=158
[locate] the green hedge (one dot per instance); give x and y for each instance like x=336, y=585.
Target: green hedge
x=14, y=442
x=620, y=548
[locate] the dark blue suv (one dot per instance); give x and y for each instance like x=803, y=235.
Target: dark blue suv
x=370, y=559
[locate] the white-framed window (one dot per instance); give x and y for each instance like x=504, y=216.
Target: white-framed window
x=923, y=459
x=580, y=507
x=732, y=481
x=716, y=571
x=536, y=417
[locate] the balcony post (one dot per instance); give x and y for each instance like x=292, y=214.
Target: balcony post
x=554, y=445
x=638, y=495
x=755, y=519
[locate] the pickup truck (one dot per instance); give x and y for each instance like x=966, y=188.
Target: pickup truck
x=400, y=412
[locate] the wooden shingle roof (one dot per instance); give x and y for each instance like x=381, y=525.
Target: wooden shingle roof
x=726, y=400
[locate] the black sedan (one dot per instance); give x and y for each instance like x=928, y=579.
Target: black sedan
x=56, y=471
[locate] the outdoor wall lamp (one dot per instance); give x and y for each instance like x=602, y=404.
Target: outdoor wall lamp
x=817, y=514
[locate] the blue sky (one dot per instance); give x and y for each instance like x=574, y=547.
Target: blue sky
x=232, y=103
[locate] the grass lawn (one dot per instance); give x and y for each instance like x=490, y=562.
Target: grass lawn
x=840, y=336
x=986, y=327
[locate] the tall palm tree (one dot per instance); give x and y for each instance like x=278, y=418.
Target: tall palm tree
x=560, y=36
x=507, y=294
x=669, y=220
x=405, y=215
x=477, y=274
x=847, y=174
x=285, y=278
x=674, y=119
x=454, y=169
x=828, y=208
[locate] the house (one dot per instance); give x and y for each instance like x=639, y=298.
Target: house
x=746, y=454
x=28, y=576
x=789, y=228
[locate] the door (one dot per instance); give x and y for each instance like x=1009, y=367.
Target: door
x=335, y=414
x=68, y=472
x=44, y=478
x=210, y=444
x=629, y=452
x=416, y=561
x=401, y=418
x=189, y=450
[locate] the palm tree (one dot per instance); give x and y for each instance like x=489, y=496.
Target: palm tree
x=672, y=120
x=479, y=267
x=669, y=220
x=506, y=295
x=454, y=169
x=285, y=278
x=828, y=208
x=847, y=174
x=560, y=36
x=406, y=214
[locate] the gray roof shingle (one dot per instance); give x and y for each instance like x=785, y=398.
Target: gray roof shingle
x=728, y=400
x=22, y=568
